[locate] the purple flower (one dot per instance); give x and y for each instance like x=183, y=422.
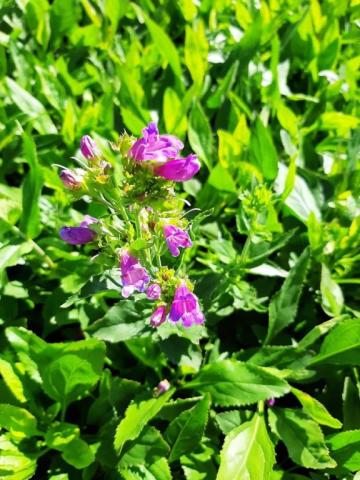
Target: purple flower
x=271, y=402
x=175, y=238
x=71, y=179
x=154, y=147
x=88, y=147
x=185, y=307
x=179, y=169
x=88, y=220
x=159, y=316
x=134, y=276
x=162, y=387
x=153, y=292
x=81, y=234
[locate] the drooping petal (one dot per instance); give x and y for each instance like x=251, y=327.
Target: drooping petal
x=71, y=179
x=176, y=237
x=77, y=235
x=133, y=274
x=88, y=220
x=179, y=169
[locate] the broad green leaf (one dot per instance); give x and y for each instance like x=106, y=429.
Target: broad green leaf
x=232, y=383
x=247, y=452
x=262, y=151
x=342, y=345
x=221, y=179
x=18, y=421
x=174, y=114
x=196, y=52
x=14, y=464
x=159, y=470
x=10, y=254
x=185, y=432
x=12, y=380
x=303, y=438
x=31, y=191
x=200, y=464
x=229, y=420
x=345, y=448
x=137, y=415
x=284, y=305
x=78, y=454
x=331, y=294
x=316, y=410
x=31, y=107
x=200, y=135
x=61, y=434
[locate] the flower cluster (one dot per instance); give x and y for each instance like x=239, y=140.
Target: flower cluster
x=146, y=223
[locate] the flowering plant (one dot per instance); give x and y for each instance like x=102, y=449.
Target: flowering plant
x=145, y=221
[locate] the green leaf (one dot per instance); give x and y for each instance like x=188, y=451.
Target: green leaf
x=12, y=380
x=195, y=52
x=315, y=409
x=262, y=151
x=159, y=470
x=174, y=114
x=200, y=464
x=20, y=423
x=78, y=454
x=331, y=294
x=185, y=432
x=137, y=415
x=303, y=438
x=283, y=306
x=31, y=107
x=59, y=435
x=317, y=332
x=14, y=464
x=247, y=452
x=342, y=345
x=232, y=383
x=345, y=448
x=121, y=322
x=221, y=179
x=224, y=87
x=31, y=191
x=229, y=420
x=200, y=135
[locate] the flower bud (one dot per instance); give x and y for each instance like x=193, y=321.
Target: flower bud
x=162, y=387
x=158, y=317
x=271, y=402
x=88, y=147
x=153, y=292
x=71, y=179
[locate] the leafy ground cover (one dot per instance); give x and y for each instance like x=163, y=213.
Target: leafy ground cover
x=265, y=94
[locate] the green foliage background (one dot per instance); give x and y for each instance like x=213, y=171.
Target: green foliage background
x=265, y=92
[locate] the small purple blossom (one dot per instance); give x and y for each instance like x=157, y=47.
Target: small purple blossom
x=179, y=169
x=158, y=316
x=71, y=179
x=175, y=238
x=154, y=147
x=134, y=276
x=153, y=292
x=88, y=147
x=162, y=387
x=77, y=235
x=271, y=402
x=185, y=307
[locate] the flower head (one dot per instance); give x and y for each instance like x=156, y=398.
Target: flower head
x=88, y=147
x=81, y=234
x=179, y=169
x=158, y=316
x=153, y=292
x=71, y=179
x=185, y=307
x=175, y=238
x=154, y=147
x=134, y=276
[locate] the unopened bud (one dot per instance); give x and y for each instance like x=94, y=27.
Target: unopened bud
x=88, y=147
x=71, y=179
x=161, y=388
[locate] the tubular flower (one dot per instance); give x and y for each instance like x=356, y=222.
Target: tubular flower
x=175, y=238
x=71, y=179
x=154, y=147
x=88, y=147
x=153, y=292
x=134, y=276
x=185, y=307
x=179, y=169
x=158, y=317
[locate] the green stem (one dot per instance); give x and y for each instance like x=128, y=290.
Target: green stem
x=245, y=250
x=35, y=246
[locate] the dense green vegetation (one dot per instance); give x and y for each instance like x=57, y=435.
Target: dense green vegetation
x=265, y=93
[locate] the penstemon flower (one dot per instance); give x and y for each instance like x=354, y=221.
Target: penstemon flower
x=135, y=183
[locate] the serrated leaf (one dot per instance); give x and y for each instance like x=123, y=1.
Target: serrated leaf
x=316, y=410
x=232, y=383
x=342, y=345
x=345, y=448
x=137, y=415
x=247, y=452
x=284, y=305
x=185, y=432
x=303, y=438
x=229, y=420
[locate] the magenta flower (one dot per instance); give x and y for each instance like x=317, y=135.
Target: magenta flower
x=179, y=169
x=71, y=179
x=88, y=220
x=134, y=276
x=175, y=238
x=153, y=292
x=88, y=147
x=158, y=317
x=185, y=307
x=81, y=234
x=154, y=147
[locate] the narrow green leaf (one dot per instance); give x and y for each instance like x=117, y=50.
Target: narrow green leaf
x=232, y=383
x=137, y=415
x=331, y=294
x=200, y=135
x=262, y=151
x=247, y=452
x=12, y=380
x=283, y=306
